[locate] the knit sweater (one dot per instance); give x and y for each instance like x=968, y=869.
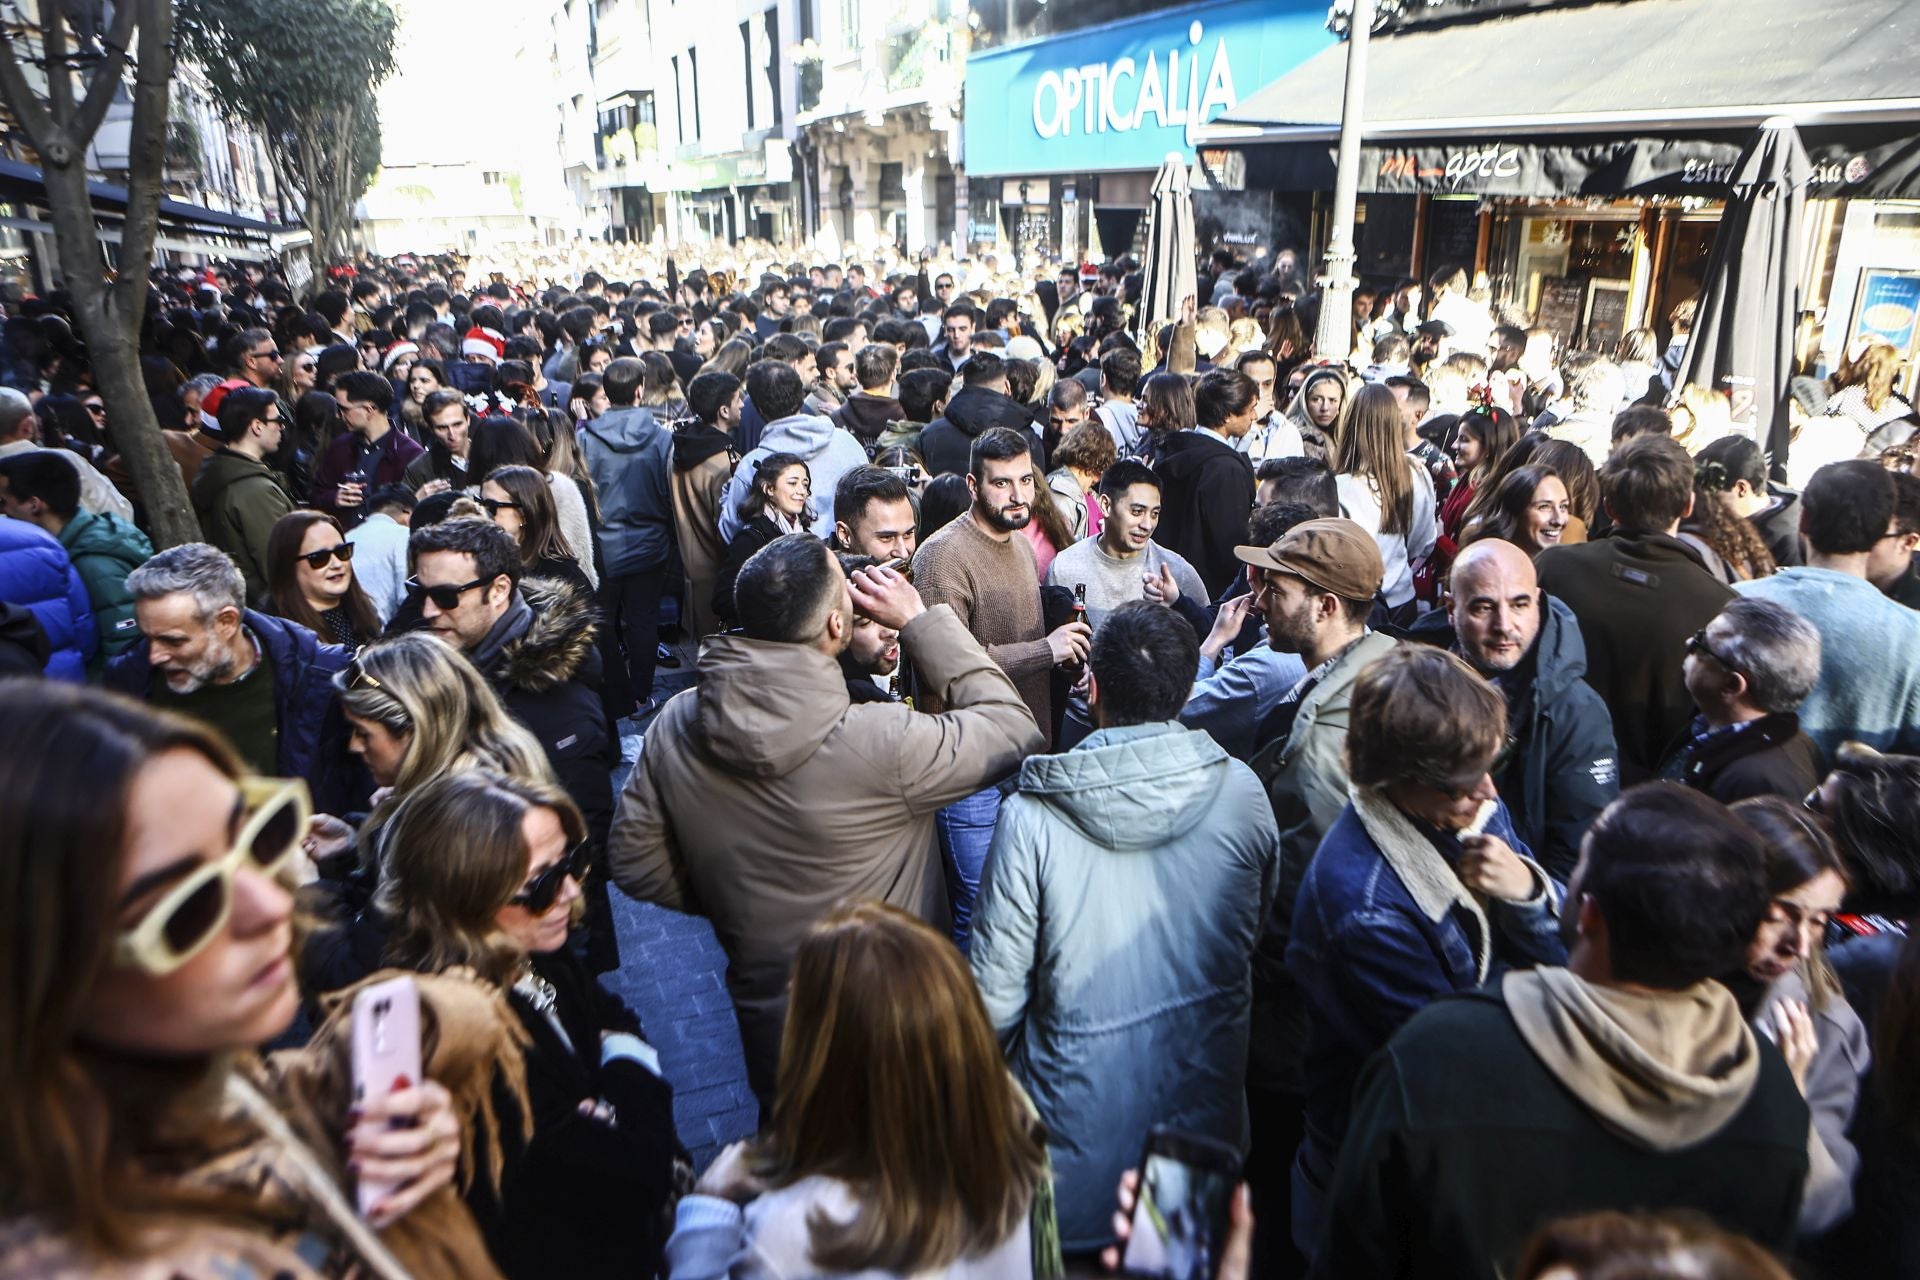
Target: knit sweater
x=995, y=589
x=1112, y=582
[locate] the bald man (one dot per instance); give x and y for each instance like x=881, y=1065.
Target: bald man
x=1562, y=766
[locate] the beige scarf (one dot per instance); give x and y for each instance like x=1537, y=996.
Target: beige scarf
x=1435, y=889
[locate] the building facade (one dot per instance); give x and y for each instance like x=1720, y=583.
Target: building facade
x=1066, y=128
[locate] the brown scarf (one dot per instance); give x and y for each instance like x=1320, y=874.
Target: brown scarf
x=470, y=1037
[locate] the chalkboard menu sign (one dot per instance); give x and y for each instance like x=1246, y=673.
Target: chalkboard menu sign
x=1453, y=234
x=1606, y=315
x=1562, y=298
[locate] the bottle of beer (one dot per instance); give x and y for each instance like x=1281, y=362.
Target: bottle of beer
x=1072, y=667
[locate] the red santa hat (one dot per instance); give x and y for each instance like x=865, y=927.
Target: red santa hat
x=394, y=352
x=210, y=404
x=485, y=343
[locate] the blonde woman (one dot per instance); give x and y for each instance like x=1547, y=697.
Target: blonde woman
x=1318, y=411
x=416, y=710
x=933, y=1176
x=1864, y=391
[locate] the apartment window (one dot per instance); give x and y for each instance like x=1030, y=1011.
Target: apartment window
x=806, y=22
x=492, y=177
x=679, y=104
x=693, y=74
x=850, y=24
x=773, y=60
x=746, y=61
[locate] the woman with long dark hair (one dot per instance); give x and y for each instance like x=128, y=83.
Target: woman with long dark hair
x=484, y=872
x=310, y=579
x=519, y=500
x=899, y=1145
x=1731, y=548
x=145, y=951
x=1790, y=994
x=1872, y=802
x=1529, y=508
x=777, y=503
x=1482, y=437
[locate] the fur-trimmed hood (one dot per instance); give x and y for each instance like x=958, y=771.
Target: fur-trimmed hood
x=543, y=639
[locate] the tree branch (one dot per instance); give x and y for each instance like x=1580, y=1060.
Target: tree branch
x=106, y=77
x=146, y=160
x=53, y=41
x=39, y=127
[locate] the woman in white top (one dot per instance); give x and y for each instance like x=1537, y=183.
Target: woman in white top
x=1383, y=490
x=899, y=1146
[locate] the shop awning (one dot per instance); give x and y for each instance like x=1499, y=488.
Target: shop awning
x=24, y=183
x=1610, y=98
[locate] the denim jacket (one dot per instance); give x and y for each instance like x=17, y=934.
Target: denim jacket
x=1380, y=930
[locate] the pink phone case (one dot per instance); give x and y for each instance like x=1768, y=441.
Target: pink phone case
x=386, y=1053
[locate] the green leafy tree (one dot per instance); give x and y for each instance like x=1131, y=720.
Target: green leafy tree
x=304, y=78
x=61, y=66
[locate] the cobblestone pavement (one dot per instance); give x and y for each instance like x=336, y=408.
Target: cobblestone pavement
x=672, y=973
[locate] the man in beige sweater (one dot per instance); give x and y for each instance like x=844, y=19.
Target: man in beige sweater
x=984, y=571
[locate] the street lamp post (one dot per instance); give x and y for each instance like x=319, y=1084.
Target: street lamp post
x=1336, y=286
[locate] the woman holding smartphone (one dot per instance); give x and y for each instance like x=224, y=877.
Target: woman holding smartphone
x=145, y=940
x=484, y=871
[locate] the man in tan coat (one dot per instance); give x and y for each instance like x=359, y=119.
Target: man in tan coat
x=762, y=798
x=704, y=456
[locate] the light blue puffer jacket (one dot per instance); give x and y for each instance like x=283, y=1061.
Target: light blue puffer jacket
x=1127, y=884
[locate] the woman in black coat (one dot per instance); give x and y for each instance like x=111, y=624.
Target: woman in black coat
x=777, y=504
x=485, y=871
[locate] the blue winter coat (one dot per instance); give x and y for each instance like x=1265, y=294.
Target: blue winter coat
x=1374, y=941
x=313, y=731
x=36, y=574
x=1113, y=942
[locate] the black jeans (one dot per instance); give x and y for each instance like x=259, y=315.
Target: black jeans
x=631, y=604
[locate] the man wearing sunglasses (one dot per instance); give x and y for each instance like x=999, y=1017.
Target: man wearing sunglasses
x=534, y=643
x=1560, y=767
x=265, y=683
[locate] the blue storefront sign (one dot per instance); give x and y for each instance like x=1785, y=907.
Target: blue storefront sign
x=1124, y=95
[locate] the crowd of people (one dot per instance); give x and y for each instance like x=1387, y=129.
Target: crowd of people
x=1456, y=774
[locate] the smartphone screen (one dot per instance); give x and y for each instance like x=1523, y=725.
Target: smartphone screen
x=1180, y=1219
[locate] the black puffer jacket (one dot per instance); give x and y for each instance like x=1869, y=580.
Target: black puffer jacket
x=947, y=443
x=1564, y=767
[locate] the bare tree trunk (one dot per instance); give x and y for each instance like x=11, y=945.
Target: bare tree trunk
x=109, y=318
